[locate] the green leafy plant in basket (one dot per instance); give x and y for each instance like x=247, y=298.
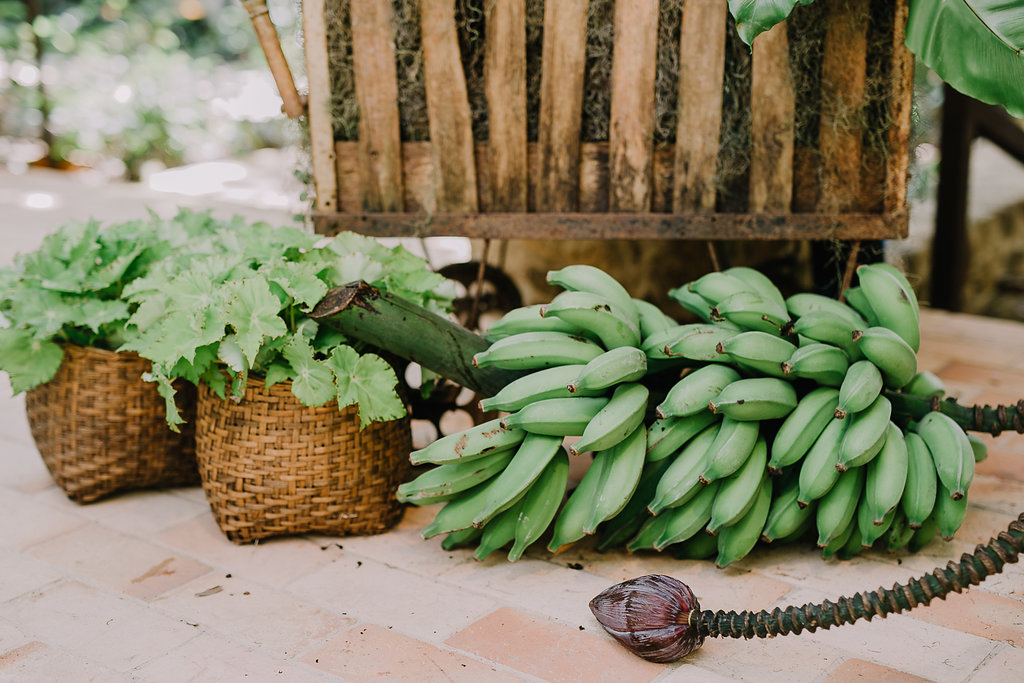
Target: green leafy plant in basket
x=247, y=311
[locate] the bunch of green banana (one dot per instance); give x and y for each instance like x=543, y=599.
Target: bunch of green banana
x=767, y=420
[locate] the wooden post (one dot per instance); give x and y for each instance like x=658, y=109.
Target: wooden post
x=772, y=119
x=631, y=131
x=561, y=105
x=321, y=130
x=701, y=71
x=901, y=92
x=259, y=15
x=505, y=84
x=376, y=83
x=451, y=123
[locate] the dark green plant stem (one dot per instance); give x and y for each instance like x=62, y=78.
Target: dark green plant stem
x=972, y=569
x=993, y=420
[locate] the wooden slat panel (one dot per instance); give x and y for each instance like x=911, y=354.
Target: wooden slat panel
x=631, y=131
x=772, y=118
x=451, y=129
x=505, y=83
x=561, y=105
x=376, y=83
x=632, y=226
x=901, y=89
x=701, y=69
x=321, y=132
x=843, y=77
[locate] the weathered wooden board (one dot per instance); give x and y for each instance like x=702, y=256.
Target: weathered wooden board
x=321, y=132
x=772, y=118
x=701, y=70
x=901, y=92
x=505, y=83
x=561, y=105
x=451, y=125
x=376, y=84
x=631, y=131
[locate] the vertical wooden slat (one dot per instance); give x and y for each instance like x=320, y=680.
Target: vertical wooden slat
x=561, y=104
x=901, y=89
x=772, y=119
x=376, y=84
x=321, y=131
x=843, y=79
x=701, y=70
x=631, y=131
x=451, y=125
x=505, y=84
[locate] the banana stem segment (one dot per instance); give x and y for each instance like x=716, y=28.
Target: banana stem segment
x=993, y=420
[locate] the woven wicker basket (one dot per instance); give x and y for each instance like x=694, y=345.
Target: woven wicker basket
x=271, y=466
x=100, y=429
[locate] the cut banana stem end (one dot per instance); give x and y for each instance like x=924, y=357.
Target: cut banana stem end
x=673, y=625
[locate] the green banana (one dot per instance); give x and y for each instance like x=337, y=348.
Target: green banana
x=829, y=328
x=717, y=286
x=925, y=384
x=978, y=447
x=622, y=364
x=854, y=543
x=893, y=356
x=685, y=521
x=575, y=512
x=785, y=516
x=618, y=471
x=458, y=513
x=535, y=350
x=918, y=499
x=949, y=512
x=648, y=534
x=651, y=318
x=624, y=526
x=871, y=531
x=732, y=447
x=886, y=475
x=556, y=416
x=924, y=535
x=951, y=451
x=681, y=479
x=538, y=385
x=751, y=311
x=759, y=351
x=460, y=538
x=692, y=302
x=695, y=341
x=866, y=434
x=697, y=547
x=858, y=301
x=470, y=444
x=527, y=319
x=822, y=363
x=899, y=275
x=860, y=388
x=891, y=302
x=756, y=398
x=760, y=283
x=818, y=471
x=899, y=533
x=734, y=542
x=443, y=480
x=802, y=304
x=802, y=426
x=499, y=532
x=619, y=418
x=532, y=456
x=692, y=393
x=738, y=491
x=597, y=315
x=837, y=507
x=591, y=279
x=666, y=436
x=540, y=504
x=840, y=541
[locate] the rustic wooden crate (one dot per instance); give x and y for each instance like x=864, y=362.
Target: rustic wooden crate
x=557, y=186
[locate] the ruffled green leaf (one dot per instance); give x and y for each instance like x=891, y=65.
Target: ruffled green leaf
x=367, y=381
x=28, y=361
x=977, y=46
x=753, y=17
x=299, y=281
x=312, y=381
x=168, y=393
x=252, y=311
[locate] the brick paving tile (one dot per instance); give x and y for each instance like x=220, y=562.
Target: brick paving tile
x=1005, y=459
x=23, y=573
x=528, y=644
x=791, y=658
x=27, y=522
x=112, y=630
x=129, y=565
x=978, y=372
x=252, y=614
x=1004, y=666
x=373, y=652
x=983, y=614
x=38, y=661
x=861, y=670
x=141, y=513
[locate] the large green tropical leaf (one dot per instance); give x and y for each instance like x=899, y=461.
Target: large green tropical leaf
x=977, y=46
x=753, y=17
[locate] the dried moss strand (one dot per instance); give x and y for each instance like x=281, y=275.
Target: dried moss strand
x=971, y=570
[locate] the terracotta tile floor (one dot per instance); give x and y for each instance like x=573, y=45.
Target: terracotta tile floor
x=144, y=586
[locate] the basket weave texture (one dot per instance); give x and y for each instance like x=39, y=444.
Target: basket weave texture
x=271, y=466
x=100, y=428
